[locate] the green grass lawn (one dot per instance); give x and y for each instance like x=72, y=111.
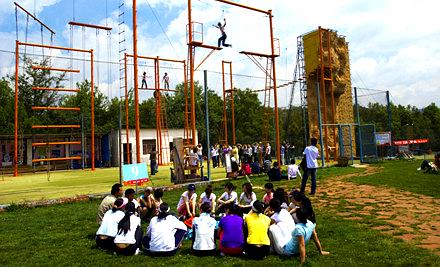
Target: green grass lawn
x=30, y=186
x=403, y=175
x=63, y=235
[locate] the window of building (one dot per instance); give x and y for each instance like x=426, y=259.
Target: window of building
x=147, y=145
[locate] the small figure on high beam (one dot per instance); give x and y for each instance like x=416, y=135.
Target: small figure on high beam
x=144, y=80
x=222, y=39
x=166, y=81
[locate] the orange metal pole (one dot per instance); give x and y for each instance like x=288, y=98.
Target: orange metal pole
x=225, y=119
x=277, y=126
x=136, y=85
x=92, y=108
x=56, y=159
x=246, y=7
x=56, y=126
x=185, y=93
x=56, y=89
x=157, y=99
x=127, y=130
x=17, y=61
x=53, y=69
x=191, y=67
x=232, y=104
x=55, y=47
x=56, y=108
x=57, y=143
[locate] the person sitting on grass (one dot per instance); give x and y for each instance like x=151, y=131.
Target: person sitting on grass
x=165, y=233
x=230, y=232
x=293, y=170
x=268, y=188
x=146, y=203
x=257, y=225
x=246, y=198
x=186, y=207
x=204, y=232
x=106, y=233
x=108, y=201
x=208, y=197
x=299, y=200
x=255, y=166
x=274, y=173
x=281, y=228
x=303, y=232
x=129, y=236
x=281, y=195
x=228, y=197
x=129, y=195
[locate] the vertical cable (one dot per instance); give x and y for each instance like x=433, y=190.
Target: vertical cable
x=16, y=23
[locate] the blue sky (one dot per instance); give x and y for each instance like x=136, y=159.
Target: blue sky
x=393, y=44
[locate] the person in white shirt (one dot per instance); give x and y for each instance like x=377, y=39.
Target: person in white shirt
x=204, y=232
x=208, y=197
x=282, y=226
x=164, y=234
x=109, y=225
x=129, y=237
x=187, y=203
x=246, y=198
x=293, y=170
x=229, y=196
x=311, y=153
x=200, y=154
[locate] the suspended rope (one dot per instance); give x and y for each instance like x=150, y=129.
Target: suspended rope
x=26, y=36
x=109, y=55
x=42, y=40
x=84, y=54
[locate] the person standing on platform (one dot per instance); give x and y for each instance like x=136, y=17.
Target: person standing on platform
x=144, y=80
x=166, y=81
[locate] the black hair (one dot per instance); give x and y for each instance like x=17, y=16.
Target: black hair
x=229, y=186
x=306, y=204
x=115, y=188
x=275, y=205
x=208, y=190
x=163, y=211
x=269, y=186
x=314, y=141
x=158, y=193
x=280, y=194
x=247, y=188
x=206, y=207
x=117, y=204
x=302, y=215
x=292, y=161
x=275, y=164
x=129, y=191
x=233, y=209
x=124, y=224
x=258, y=207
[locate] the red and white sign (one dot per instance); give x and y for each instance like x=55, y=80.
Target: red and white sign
x=410, y=141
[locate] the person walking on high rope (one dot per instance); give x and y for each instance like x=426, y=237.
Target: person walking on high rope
x=222, y=39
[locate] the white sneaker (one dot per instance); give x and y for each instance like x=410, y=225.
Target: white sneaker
x=137, y=251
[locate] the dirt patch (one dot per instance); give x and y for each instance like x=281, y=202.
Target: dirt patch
x=411, y=217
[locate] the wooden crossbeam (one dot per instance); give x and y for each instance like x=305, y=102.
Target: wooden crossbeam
x=57, y=143
x=56, y=159
x=56, y=126
x=72, y=90
x=35, y=67
x=56, y=108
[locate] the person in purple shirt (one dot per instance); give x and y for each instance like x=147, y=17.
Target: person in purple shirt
x=230, y=231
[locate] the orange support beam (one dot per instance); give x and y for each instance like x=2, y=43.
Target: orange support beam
x=92, y=109
x=56, y=159
x=136, y=85
x=17, y=61
x=56, y=126
x=56, y=108
x=55, y=47
x=53, y=69
x=57, y=143
x=73, y=90
x=99, y=27
x=244, y=6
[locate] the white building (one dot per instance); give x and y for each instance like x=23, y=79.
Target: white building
x=148, y=140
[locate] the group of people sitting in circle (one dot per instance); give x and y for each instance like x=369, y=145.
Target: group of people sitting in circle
x=282, y=222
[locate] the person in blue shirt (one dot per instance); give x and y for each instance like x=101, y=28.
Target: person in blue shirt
x=301, y=235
